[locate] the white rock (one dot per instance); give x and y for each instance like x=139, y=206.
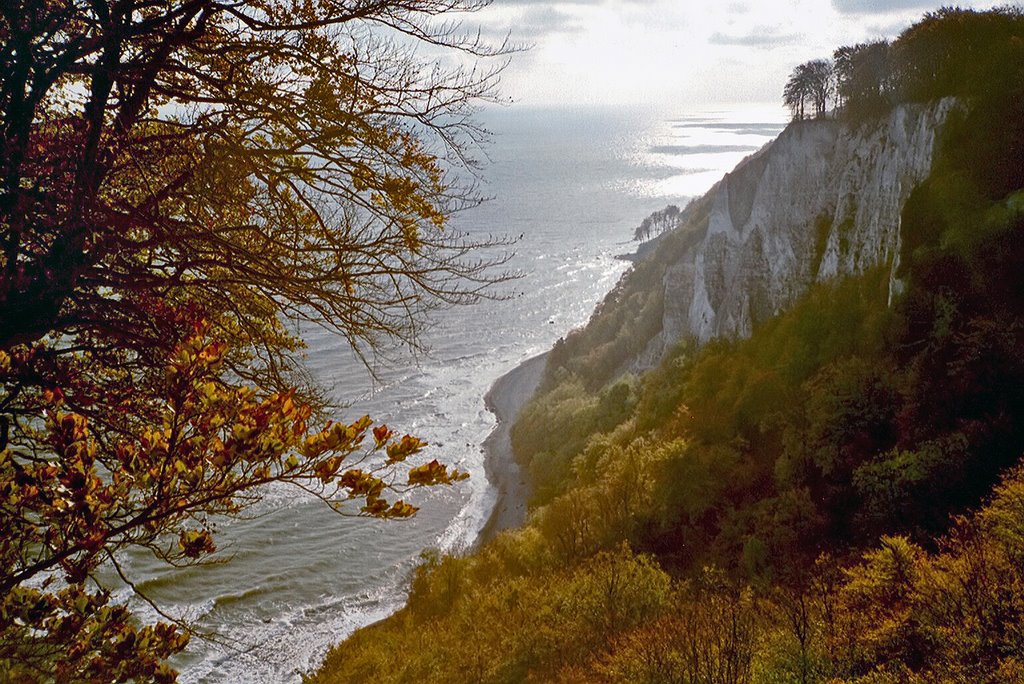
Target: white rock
x=762, y=249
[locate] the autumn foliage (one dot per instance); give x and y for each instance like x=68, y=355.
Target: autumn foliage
x=91, y=495
x=182, y=186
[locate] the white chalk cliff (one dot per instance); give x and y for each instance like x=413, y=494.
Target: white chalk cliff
x=822, y=200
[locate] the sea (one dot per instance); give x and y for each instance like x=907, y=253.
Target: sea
x=569, y=186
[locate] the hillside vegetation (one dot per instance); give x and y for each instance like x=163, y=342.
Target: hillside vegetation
x=836, y=498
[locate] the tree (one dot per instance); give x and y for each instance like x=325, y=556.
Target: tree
x=180, y=181
x=822, y=84
x=795, y=94
x=960, y=52
x=810, y=83
x=657, y=223
x=864, y=77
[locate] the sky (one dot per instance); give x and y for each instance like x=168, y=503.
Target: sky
x=659, y=52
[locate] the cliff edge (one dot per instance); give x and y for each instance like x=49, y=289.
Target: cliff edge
x=822, y=200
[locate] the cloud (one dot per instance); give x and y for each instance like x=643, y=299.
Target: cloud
x=759, y=37
x=535, y=19
x=887, y=30
x=528, y=24
x=880, y=6
x=542, y=21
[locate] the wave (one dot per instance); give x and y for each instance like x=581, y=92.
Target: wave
x=272, y=649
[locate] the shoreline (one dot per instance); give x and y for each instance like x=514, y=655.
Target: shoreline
x=506, y=397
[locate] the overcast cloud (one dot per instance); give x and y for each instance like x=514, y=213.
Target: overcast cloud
x=760, y=37
x=880, y=6
x=541, y=20
x=646, y=52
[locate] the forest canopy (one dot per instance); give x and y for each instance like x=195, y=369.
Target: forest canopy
x=181, y=185
x=951, y=52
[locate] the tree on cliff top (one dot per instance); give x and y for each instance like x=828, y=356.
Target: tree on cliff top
x=977, y=56
x=865, y=79
x=178, y=180
x=811, y=83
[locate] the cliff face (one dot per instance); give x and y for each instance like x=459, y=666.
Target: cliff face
x=822, y=200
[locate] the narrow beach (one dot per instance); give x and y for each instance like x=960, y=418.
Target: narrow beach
x=508, y=394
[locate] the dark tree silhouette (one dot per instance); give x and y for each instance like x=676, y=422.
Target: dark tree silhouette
x=795, y=95
x=657, y=223
x=864, y=77
x=812, y=84
x=821, y=84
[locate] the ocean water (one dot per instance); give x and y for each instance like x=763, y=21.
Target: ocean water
x=574, y=183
